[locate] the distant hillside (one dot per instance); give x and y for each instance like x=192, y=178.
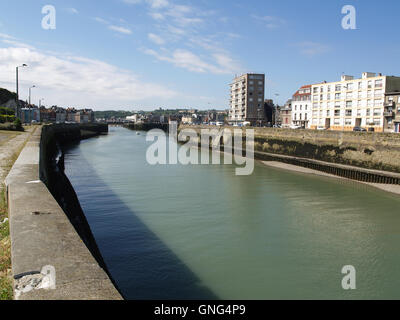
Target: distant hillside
x=112, y=114
x=6, y=95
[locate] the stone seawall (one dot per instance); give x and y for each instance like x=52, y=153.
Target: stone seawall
x=50, y=237
x=378, y=151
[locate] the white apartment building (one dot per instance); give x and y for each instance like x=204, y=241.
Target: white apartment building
x=301, y=107
x=247, y=98
x=351, y=102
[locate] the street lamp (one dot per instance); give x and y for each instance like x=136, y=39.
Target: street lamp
x=17, y=108
x=30, y=95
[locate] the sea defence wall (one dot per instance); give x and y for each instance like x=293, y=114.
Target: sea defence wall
x=54, y=254
x=363, y=156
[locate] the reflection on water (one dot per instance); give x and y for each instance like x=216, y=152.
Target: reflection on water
x=202, y=232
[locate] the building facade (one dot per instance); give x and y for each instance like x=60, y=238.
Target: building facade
x=301, y=107
x=247, y=98
x=286, y=114
x=351, y=102
x=391, y=112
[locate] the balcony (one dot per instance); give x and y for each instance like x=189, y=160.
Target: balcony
x=389, y=104
x=388, y=114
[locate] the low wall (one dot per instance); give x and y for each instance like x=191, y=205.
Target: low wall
x=379, y=151
x=43, y=236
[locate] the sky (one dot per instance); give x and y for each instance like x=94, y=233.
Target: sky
x=147, y=54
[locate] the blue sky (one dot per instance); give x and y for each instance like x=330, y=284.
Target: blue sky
x=145, y=54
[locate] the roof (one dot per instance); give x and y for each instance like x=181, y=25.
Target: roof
x=303, y=94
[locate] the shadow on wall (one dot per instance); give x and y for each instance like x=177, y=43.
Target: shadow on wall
x=143, y=267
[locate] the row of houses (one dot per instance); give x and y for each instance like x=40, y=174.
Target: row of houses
x=182, y=116
x=371, y=102
x=56, y=114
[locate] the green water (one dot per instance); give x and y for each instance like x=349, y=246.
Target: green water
x=271, y=235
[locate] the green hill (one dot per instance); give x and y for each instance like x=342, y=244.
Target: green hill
x=6, y=95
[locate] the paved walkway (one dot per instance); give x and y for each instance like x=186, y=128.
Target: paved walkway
x=11, y=144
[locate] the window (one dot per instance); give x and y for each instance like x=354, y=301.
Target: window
x=322, y=89
x=260, y=83
x=337, y=113
x=328, y=96
x=329, y=88
x=347, y=122
x=338, y=87
x=328, y=113
x=315, y=105
x=315, y=90
x=350, y=87
x=337, y=96
x=315, y=97
x=377, y=121
x=360, y=85
x=378, y=83
x=369, y=84
x=348, y=113
x=368, y=112
x=377, y=112
x=321, y=97
x=349, y=104
x=336, y=122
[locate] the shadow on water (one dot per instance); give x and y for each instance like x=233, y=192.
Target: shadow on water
x=140, y=263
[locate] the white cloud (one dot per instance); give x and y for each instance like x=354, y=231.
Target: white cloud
x=186, y=59
x=100, y=20
x=75, y=81
x=120, y=29
x=158, y=4
x=309, y=48
x=157, y=16
x=156, y=39
x=270, y=22
x=132, y=1
x=72, y=10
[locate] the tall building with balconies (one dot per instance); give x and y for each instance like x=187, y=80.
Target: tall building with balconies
x=351, y=102
x=391, y=113
x=247, y=98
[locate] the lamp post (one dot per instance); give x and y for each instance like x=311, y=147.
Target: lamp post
x=30, y=95
x=17, y=108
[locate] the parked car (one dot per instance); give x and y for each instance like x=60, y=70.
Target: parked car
x=359, y=129
x=295, y=126
x=321, y=128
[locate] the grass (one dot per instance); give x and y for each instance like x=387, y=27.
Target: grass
x=6, y=291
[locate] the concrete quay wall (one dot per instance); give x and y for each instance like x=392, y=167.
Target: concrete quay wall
x=51, y=260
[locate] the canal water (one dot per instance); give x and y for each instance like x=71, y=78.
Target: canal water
x=201, y=232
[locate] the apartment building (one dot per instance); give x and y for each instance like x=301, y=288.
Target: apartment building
x=247, y=98
x=391, y=112
x=301, y=107
x=351, y=102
